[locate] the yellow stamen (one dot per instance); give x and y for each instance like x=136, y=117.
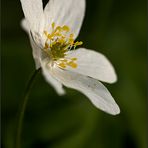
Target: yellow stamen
x=46, y=46
x=58, y=43
x=71, y=36
x=64, y=60
x=58, y=28
x=66, y=28
x=73, y=59
x=46, y=33
x=62, y=65
x=78, y=43
x=72, y=64
x=53, y=25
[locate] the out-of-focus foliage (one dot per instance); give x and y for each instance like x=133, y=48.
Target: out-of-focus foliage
x=116, y=28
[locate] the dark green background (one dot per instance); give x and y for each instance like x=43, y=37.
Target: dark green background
x=116, y=28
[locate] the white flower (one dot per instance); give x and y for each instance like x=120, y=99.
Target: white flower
x=52, y=32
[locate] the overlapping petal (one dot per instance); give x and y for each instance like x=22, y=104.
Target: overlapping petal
x=93, y=89
x=46, y=70
x=33, y=11
x=36, y=51
x=65, y=12
x=93, y=64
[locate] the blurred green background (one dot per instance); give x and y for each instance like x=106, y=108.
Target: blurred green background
x=117, y=28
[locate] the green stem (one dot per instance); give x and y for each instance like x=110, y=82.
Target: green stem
x=23, y=107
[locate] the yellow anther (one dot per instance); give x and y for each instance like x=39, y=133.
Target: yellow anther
x=66, y=28
x=49, y=36
x=62, y=65
x=61, y=40
x=72, y=64
x=53, y=25
x=78, y=43
x=73, y=59
x=58, y=28
x=71, y=35
x=71, y=41
x=57, y=34
x=46, y=33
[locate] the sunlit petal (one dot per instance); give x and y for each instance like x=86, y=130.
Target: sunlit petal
x=93, y=89
x=65, y=12
x=93, y=64
x=46, y=69
x=33, y=11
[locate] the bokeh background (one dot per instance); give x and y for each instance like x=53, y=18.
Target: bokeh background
x=116, y=28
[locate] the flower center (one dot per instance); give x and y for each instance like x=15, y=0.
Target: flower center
x=58, y=43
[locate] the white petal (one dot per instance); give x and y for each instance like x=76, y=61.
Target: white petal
x=93, y=89
x=65, y=12
x=35, y=51
x=46, y=69
x=33, y=11
x=25, y=25
x=93, y=64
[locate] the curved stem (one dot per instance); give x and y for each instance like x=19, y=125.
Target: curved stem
x=23, y=107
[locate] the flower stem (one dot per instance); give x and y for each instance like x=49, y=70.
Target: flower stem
x=23, y=107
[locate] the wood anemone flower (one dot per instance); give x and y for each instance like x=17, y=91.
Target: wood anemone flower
x=52, y=33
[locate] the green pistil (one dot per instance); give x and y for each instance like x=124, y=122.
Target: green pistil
x=58, y=51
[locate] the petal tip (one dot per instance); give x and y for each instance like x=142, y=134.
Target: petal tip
x=24, y=25
x=61, y=93
x=114, y=78
x=116, y=110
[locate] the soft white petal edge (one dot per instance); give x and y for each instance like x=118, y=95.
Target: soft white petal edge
x=33, y=11
x=25, y=25
x=93, y=89
x=35, y=48
x=65, y=12
x=46, y=70
x=36, y=51
x=93, y=64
